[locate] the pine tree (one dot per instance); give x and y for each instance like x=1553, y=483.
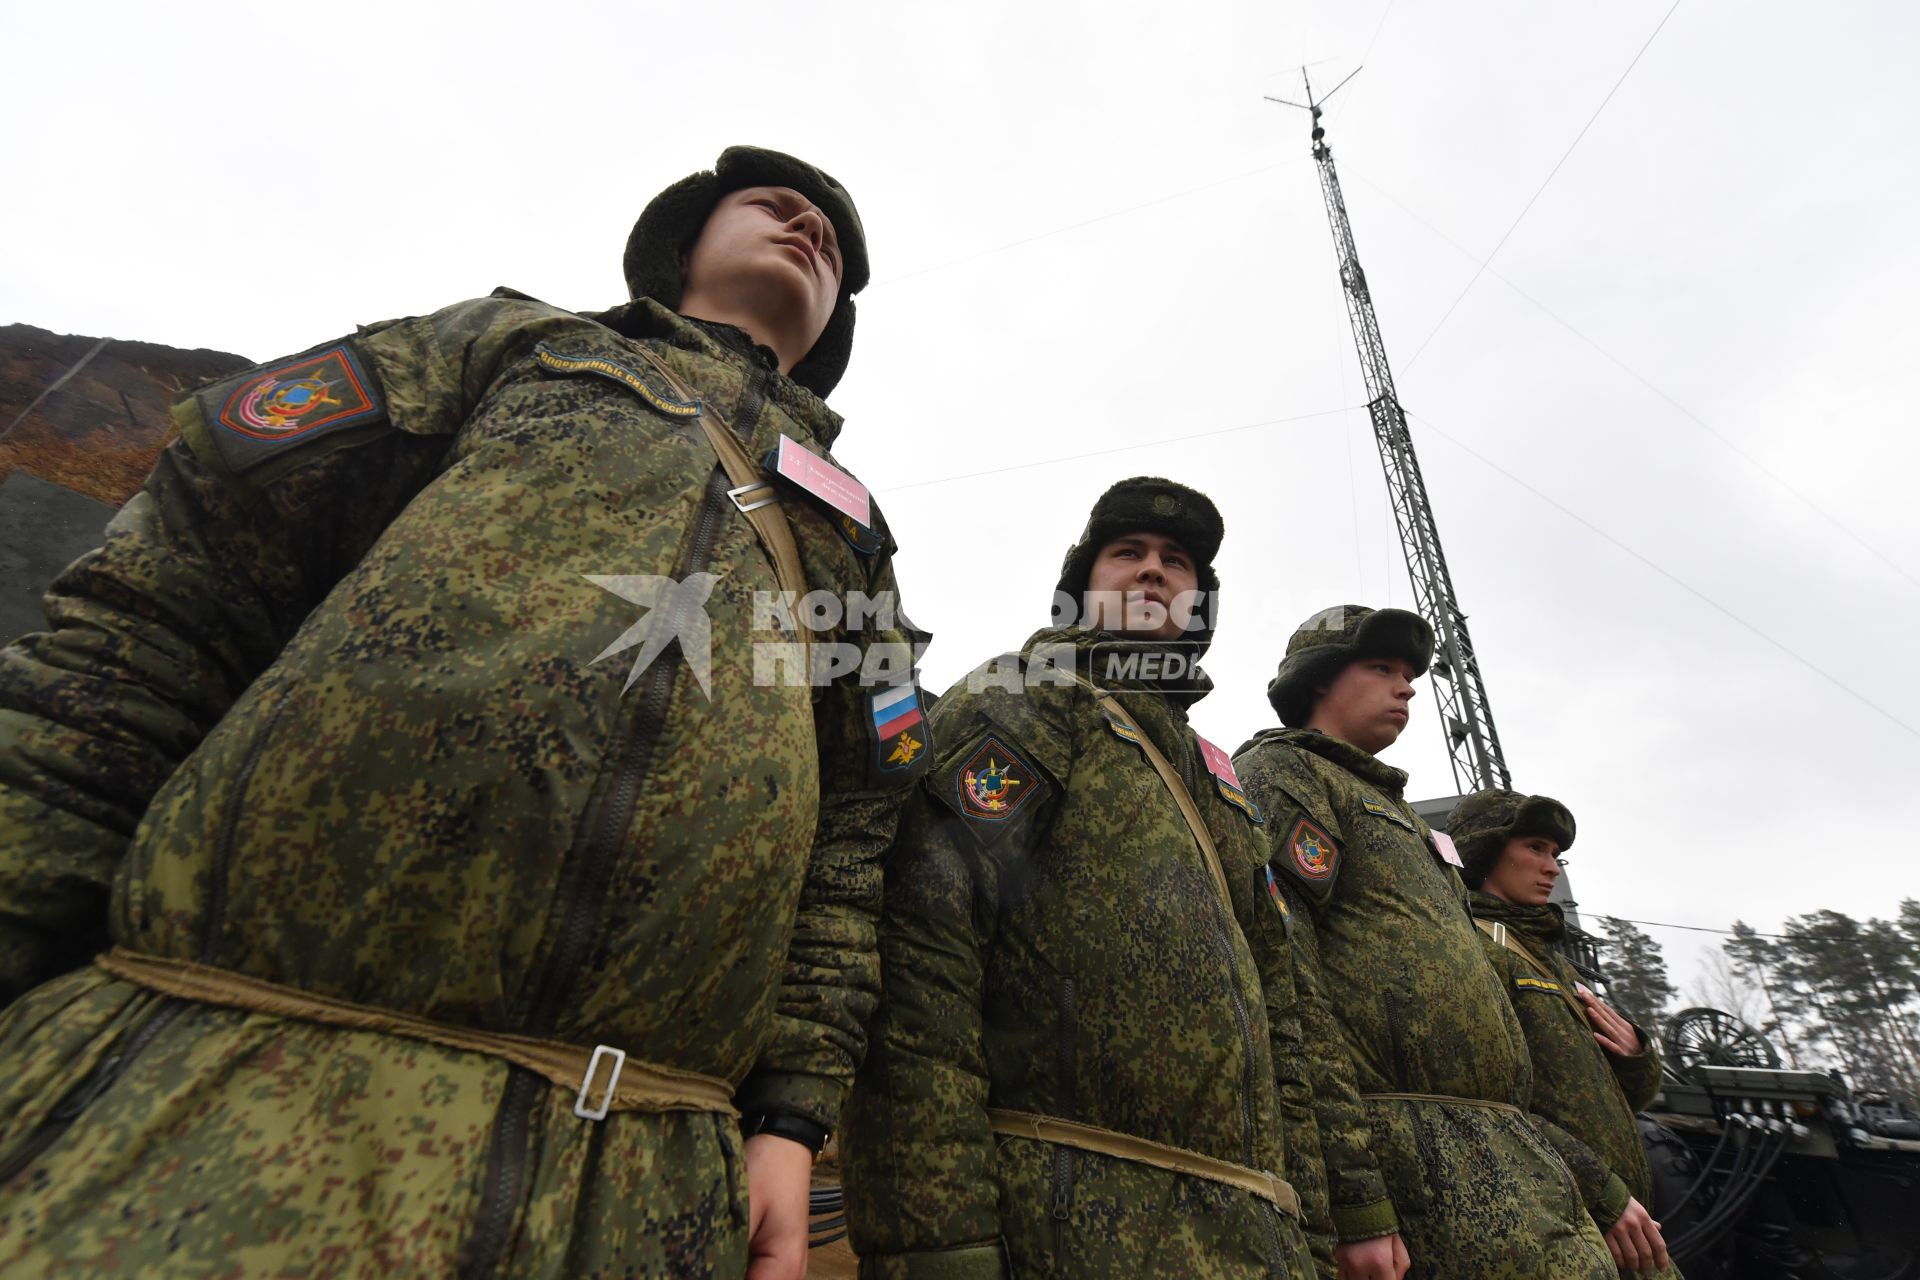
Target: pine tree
x=1637, y=982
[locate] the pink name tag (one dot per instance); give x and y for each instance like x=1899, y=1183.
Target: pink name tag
x=823, y=480
x=1443, y=845
x=1219, y=764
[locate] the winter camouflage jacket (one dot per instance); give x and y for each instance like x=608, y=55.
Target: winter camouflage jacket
x=1053, y=942
x=341, y=705
x=1588, y=1092
x=1408, y=1029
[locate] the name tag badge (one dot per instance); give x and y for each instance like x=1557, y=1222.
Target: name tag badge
x=815, y=475
x=1219, y=763
x=1443, y=845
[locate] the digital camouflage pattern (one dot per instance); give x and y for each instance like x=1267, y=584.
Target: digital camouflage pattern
x=325, y=710
x=1591, y=1094
x=1401, y=1000
x=1053, y=942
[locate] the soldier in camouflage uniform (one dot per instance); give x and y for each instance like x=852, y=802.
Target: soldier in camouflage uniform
x=1419, y=1073
x=431, y=946
x=1592, y=1069
x=1065, y=968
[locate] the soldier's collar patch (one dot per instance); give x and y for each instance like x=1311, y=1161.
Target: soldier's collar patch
x=1536, y=984
x=995, y=782
x=1314, y=853
x=899, y=728
x=1220, y=765
x=612, y=370
x=1381, y=809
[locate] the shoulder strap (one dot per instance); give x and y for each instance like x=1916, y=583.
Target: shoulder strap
x=1181, y=796
x=758, y=500
x=1504, y=937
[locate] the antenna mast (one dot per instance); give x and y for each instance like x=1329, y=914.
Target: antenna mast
x=1472, y=745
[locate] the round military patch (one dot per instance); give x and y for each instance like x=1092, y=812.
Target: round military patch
x=1164, y=504
x=994, y=783
x=1314, y=852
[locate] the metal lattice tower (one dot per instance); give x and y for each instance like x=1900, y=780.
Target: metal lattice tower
x=1473, y=746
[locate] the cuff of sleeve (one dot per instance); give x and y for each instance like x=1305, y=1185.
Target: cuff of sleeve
x=967, y=1262
x=815, y=1098
x=1364, y=1221
x=1612, y=1202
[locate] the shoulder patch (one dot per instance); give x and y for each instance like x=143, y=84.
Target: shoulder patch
x=570, y=365
x=1315, y=855
x=253, y=415
x=898, y=728
x=994, y=782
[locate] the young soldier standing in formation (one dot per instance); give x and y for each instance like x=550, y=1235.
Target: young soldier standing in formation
x=1087, y=1061
x=1419, y=1073
x=431, y=946
x=1592, y=1069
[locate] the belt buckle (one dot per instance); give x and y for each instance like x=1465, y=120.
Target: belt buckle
x=735, y=492
x=580, y=1107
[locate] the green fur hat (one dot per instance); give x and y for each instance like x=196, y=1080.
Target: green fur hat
x=1482, y=823
x=1147, y=504
x=1331, y=640
x=657, y=249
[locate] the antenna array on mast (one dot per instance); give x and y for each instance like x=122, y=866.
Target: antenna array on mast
x=1473, y=747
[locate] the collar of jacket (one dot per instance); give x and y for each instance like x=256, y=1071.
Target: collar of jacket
x=644, y=318
x=1362, y=764
x=1541, y=924
x=1097, y=653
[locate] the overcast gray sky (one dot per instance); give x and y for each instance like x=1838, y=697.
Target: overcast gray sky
x=1097, y=253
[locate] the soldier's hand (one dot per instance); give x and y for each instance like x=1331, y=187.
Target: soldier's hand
x=1635, y=1241
x=1381, y=1258
x=779, y=1171
x=1615, y=1034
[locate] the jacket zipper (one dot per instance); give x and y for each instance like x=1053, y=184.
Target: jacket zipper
x=583, y=885
x=83, y=1094
x=1065, y=1057
x=1396, y=1043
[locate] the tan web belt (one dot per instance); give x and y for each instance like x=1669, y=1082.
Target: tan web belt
x=1446, y=1100
x=603, y=1072
x=1122, y=1146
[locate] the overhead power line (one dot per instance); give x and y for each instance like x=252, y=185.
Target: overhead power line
x=1670, y=576
x=1100, y=453
x=1650, y=385
x=1543, y=186
x=1075, y=226
x=1691, y=928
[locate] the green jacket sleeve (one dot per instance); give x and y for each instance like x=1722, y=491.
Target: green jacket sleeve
x=1601, y=1190
x=1290, y=987
x=1639, y=1075
x=831, y=980
x=918, y=1152
x=203, y=576
x=1358, y=1203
